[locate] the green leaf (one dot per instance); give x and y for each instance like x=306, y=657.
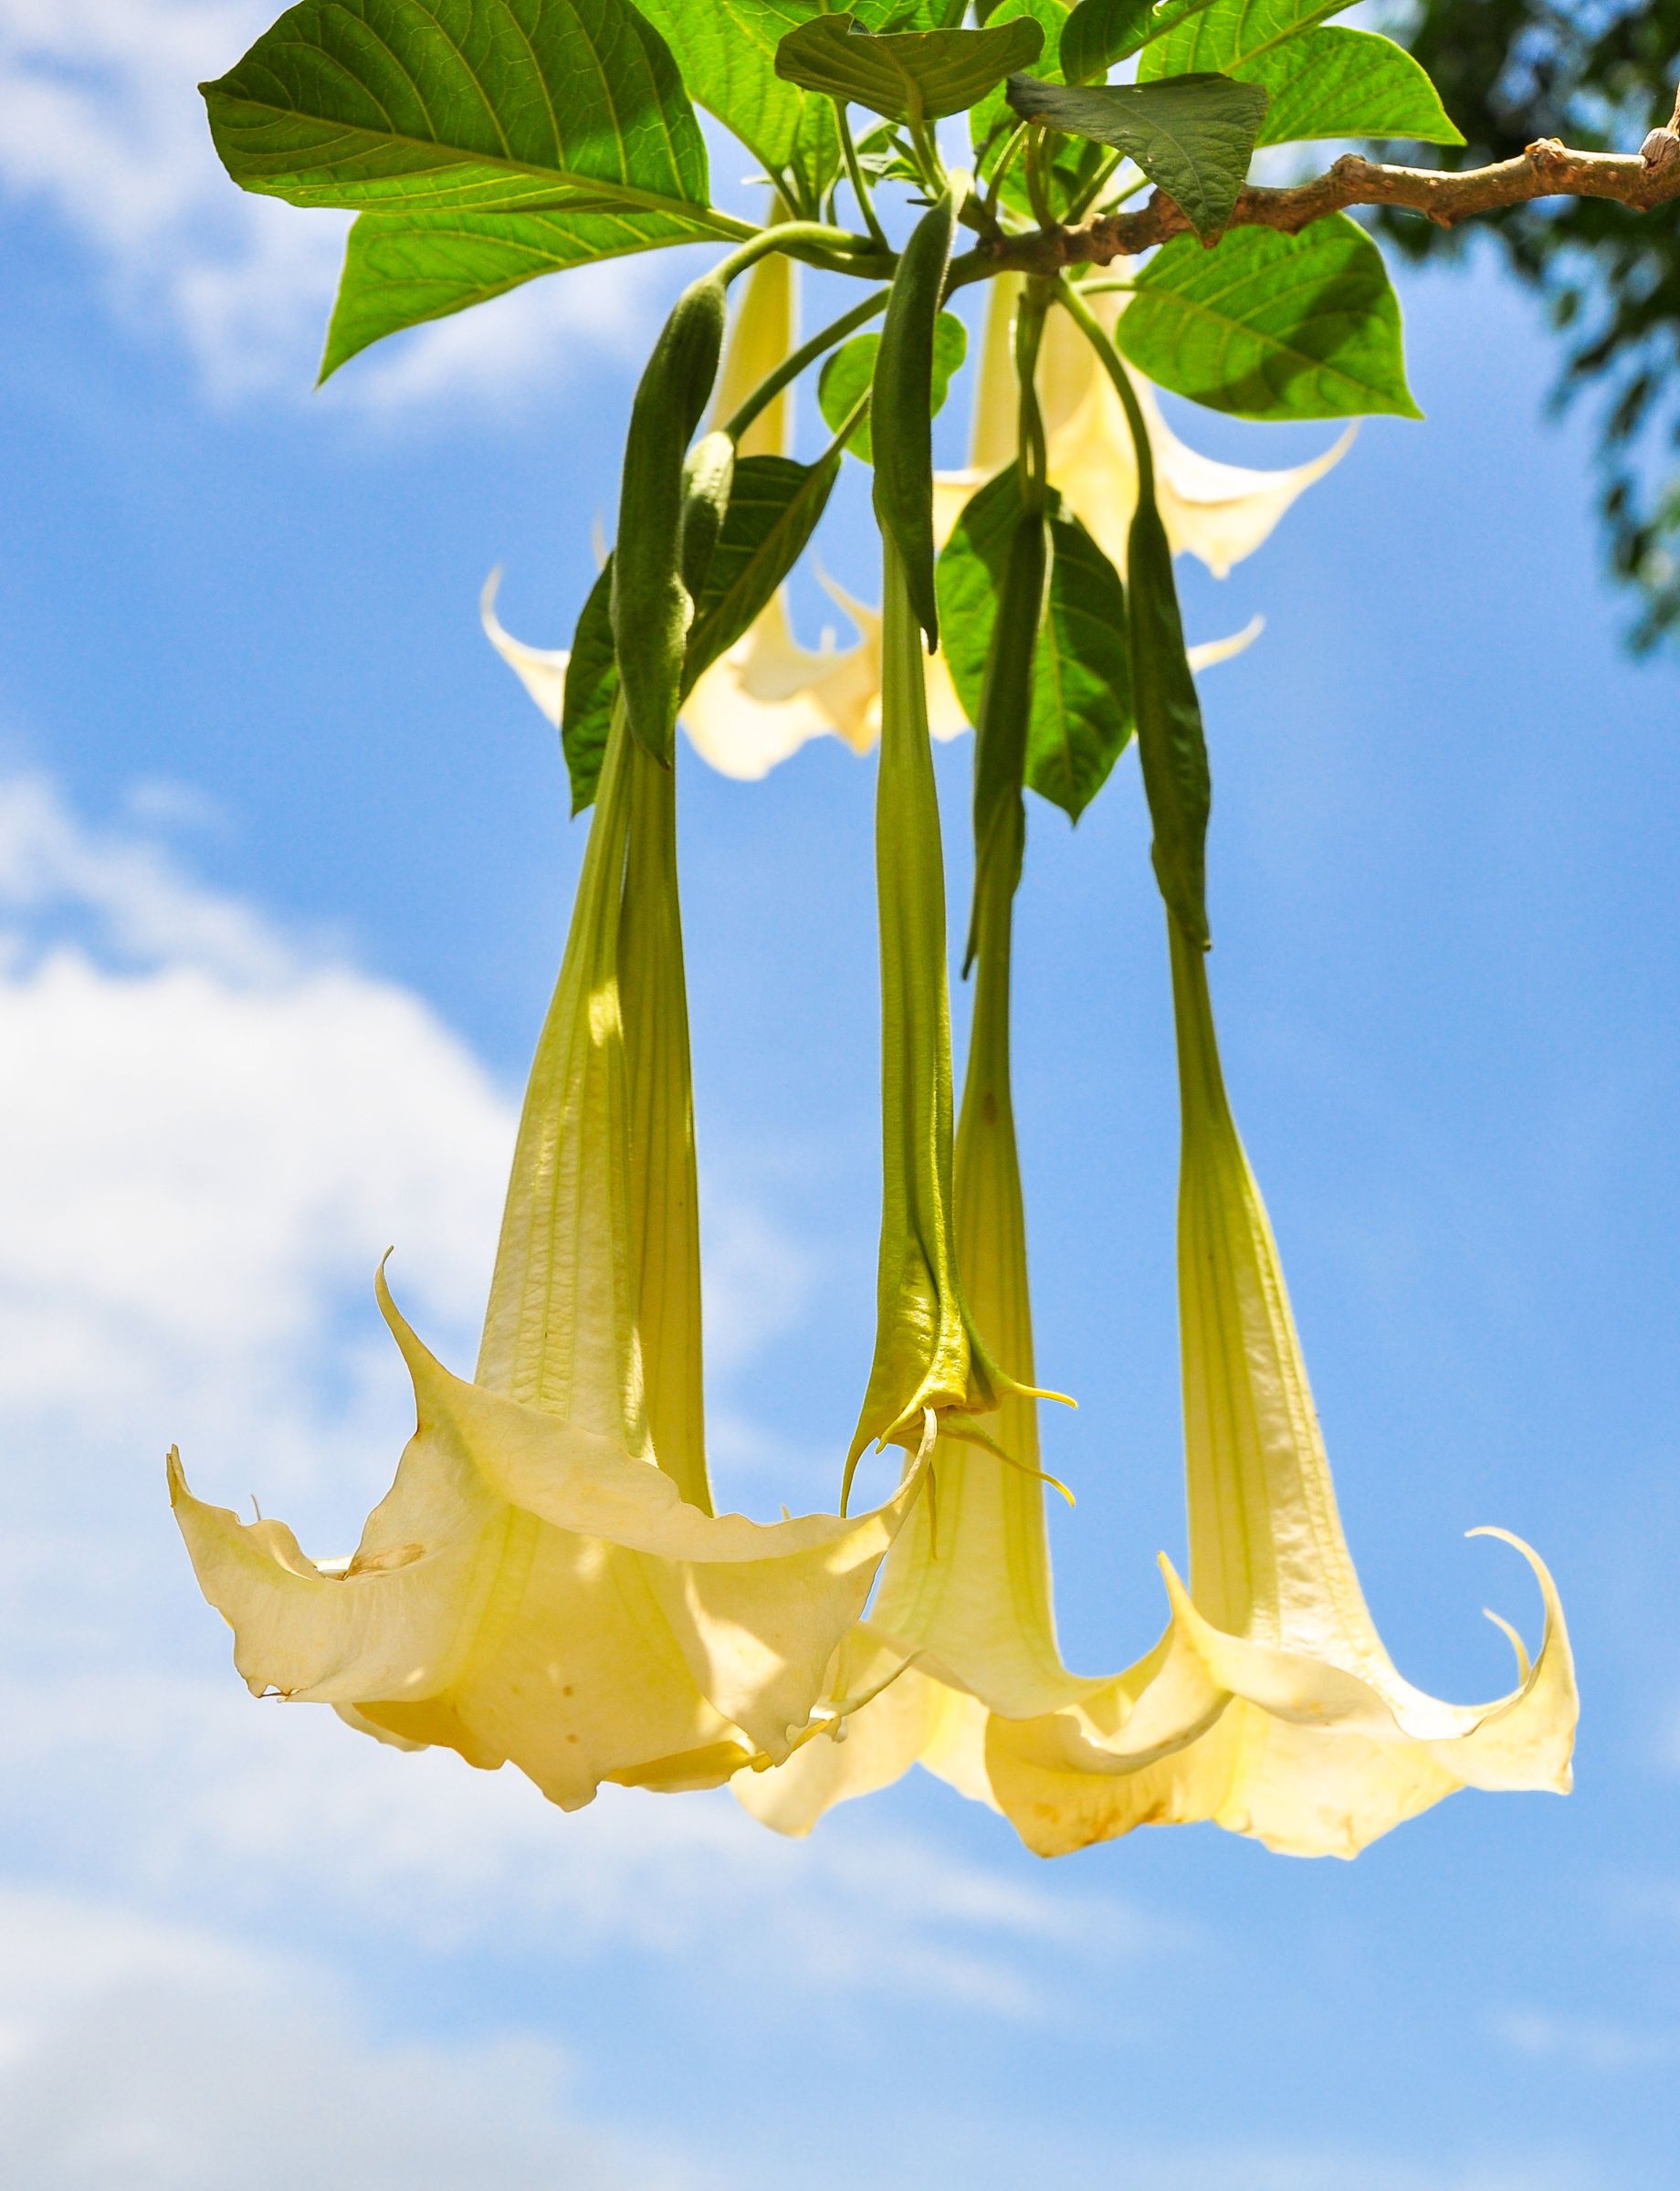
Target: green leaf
x=592, y=688
x=1081, y=714
x=773, y=507
x=918, y=75
x=1101, y=32
x=726, y=50
x=465, y=105
x=993, y=117
x=1193, y=136
x=1172, y=745
x=852, y=368
x=1232, y=34
x=403, y=268
x=1347, y=83
x=1273, y=326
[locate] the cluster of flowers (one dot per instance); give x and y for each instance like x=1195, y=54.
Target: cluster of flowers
x=547, y=1582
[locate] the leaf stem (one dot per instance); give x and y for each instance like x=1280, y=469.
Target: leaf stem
x=1003, y=163
x=860, y=188
x=793, y=365
x=835, y=248
x=1109, y=359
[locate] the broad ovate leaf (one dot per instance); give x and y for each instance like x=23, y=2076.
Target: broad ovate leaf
x=1273, y=326
x=918, y=75
x=411, y=106
x=1192, y=135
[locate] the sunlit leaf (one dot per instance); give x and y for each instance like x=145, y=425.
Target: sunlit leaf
x=463, y=105
x=1081, y=717
x=403, y=268
x=850, y=371
x=1193, y=136
x=919, y=74
x=1272, y=326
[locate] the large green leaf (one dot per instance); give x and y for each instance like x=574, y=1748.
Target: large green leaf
x=403, y=268
x=1232, y=34
x=1081, y=712
x=1272, y=326
x=1101, y=32
x=991, y=118
x=851, y=369
x=466, y=105
x=592, y=687
x=726, y=52
x=914, y=75
x=1193, y=136
x=773, y=507
x=1347, y=83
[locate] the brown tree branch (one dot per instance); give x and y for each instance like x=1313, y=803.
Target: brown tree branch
x=1641, y=181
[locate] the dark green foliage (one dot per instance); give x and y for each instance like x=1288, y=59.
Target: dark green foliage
x=1598, y=74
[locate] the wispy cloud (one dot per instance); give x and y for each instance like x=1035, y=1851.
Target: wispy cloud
x=209, y=1129
x=1588, y=2042
x=102, y=127
x=165, y=2058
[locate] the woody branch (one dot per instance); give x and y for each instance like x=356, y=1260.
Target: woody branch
x=1642, y=181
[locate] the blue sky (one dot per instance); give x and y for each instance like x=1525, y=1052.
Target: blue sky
x=284, y=868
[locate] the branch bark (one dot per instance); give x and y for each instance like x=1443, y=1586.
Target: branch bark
x=1641, y=181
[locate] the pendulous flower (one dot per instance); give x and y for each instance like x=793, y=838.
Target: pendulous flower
x=546, y=1582
x=1218, y=512
x=1270, y=1705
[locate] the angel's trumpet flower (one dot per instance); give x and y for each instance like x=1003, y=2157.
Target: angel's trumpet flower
x=1270, y=1706
x=964, y=1603
x=929, y=1355
x=1218, y=512
x=534, y=1587
x=767, y=695
x=964, y=1607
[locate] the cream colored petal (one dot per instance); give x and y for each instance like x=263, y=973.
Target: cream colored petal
x=760, y=701
x=540, y=669
x=1221, y=513
x=761, y=335
x=1092, y=462
x=952, y=491
x=525, y=1592
x=1209, y=653
x=1271, y=1706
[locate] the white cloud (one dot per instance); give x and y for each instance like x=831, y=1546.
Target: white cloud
x=209, y=1130
x=102, y=121
x=219, y=2065
x=1586, y=2041
x=212, y=1133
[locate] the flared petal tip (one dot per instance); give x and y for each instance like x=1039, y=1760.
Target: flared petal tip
x=176, y=1476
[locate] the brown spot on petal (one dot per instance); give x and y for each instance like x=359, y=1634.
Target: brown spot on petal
x=382, y=1563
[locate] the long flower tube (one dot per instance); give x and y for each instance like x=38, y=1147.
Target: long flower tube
x=1270, y=1706
x=964, y=1602
x=928, y=1353
x=964, y=1605
x=534, y=1588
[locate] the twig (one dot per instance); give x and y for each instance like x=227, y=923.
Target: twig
x=1641, y=181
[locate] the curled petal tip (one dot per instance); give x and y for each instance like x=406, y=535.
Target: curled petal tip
x=176, y=1476
x=1524, y=1663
